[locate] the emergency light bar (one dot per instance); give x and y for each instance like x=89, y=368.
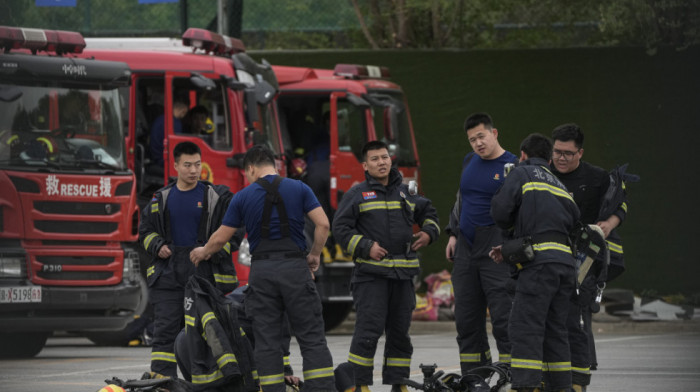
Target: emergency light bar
x=36, y=40
x=355, y=71
x=211, y=42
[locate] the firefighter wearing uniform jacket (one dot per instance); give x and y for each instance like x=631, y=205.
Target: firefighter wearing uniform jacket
x=180, y=216
x=589, y=185
x=536, y=206
x=272, y=209
x=374, y=223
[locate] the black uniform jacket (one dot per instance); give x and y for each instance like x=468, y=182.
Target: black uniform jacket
x=155, y=231
x=220, y=353
x=533, y=202
x=370, y=212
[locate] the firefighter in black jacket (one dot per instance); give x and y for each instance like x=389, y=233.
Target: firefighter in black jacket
x=374, y=223
x=180, y=216
x=536, y=207
x=601, y=202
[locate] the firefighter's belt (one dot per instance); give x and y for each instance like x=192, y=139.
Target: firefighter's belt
x=278, y=255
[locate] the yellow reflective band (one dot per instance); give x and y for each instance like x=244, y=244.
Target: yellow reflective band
x=163, y=356
x=354, y=240
x=551, y=246
x=255, y=375
x=207, y=318
x=383, y=205
x=189, y=320
x=431, y=222
x=556, y=366
x=541, y=186
x=614, y=247
x=48, y=143
x=148, y=239
x=488, y=354
x=526, y=364
x=227, y=248
x=154, y=208
x=226, y=359
x=150, y=271
x=272, y=379
x=389, y=263
x=624, y=206
x=242, y=332
x=470, y=357
x=505, y=358
x=286, y=360
x=318, y=373
x=12, y=139
x=586, y=370
x=206, y=378
x=362, y=361
x=398, y=362
x=219, y=278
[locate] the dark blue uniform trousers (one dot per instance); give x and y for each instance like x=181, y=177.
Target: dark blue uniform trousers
x=285, y=285
x=538, y=334
x=480, y=283
x=167, y=295
x=382, y=305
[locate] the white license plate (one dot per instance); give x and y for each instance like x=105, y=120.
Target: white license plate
x=21, y=294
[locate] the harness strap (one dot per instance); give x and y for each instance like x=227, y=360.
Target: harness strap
x=273, y=198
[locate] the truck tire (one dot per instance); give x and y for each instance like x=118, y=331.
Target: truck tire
x=334, y=313
x=22, y=344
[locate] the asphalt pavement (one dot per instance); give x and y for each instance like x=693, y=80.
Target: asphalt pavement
x=633, y=356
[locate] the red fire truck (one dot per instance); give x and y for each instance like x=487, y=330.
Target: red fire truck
x=207, y=70
x=68, y=223
x=335, y=112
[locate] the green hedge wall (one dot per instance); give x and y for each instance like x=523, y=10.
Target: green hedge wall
x=633, y=108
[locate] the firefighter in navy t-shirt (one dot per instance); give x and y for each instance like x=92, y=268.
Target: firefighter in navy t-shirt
x=180, y=216
x=272, y=210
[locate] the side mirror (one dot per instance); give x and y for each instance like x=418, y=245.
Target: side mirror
x=357, y=101
x=264, y=92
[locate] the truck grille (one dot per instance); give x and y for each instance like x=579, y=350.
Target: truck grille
x=75, y=275
x=50, y=226
x=72, y=208
x=74, y=260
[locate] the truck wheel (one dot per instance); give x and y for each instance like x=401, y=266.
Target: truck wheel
x=335, y=313
x=22, y=345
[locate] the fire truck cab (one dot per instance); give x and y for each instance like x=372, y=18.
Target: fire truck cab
x=329, y=115
x=68, y=224
x=204, y=89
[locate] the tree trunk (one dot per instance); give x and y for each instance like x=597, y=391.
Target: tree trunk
x=363, y=25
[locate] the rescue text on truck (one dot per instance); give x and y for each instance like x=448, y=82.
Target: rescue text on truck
x=68, y=225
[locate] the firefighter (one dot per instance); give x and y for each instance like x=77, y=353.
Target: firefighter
x=539, y=213
x=478, y=282
x=374, y=223
x=180, y=216
x=281, y=280
x=589, y=186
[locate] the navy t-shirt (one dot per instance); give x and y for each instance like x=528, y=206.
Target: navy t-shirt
x=185, y=209
x=247, y=208
x=480, y=181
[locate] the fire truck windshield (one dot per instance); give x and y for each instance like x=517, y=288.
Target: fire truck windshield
x=392, y=125
x=61, y=128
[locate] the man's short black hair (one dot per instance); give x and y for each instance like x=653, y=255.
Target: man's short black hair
x=478, y=118
x=537, y=145
x=371, y=146
x=188, y=148
x=566, y=132
x=259, y=155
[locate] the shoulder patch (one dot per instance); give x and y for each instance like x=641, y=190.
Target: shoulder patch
x=369, y=195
